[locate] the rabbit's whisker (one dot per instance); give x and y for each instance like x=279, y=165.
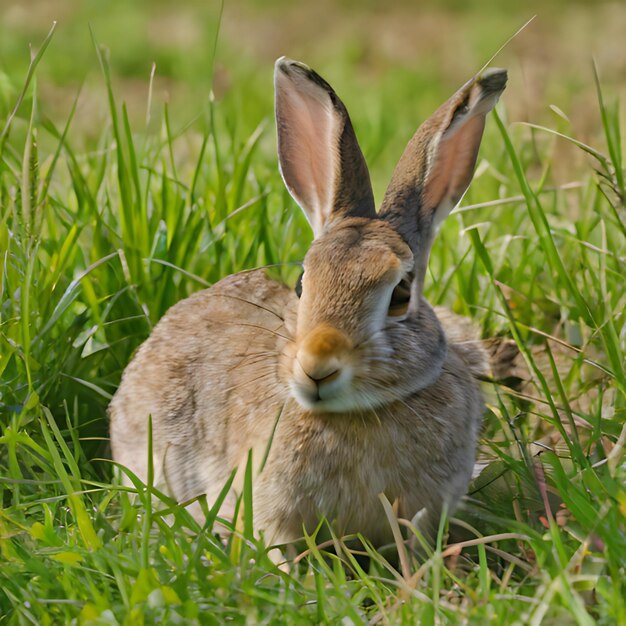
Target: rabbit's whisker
x=269, y=354
x=252, y=361
x=249, y=355
x=269, y=330
x=388, y=360
x=256, y=304
x=375, y=414
x=244, y=383
x=408, y=406
x=259, y=357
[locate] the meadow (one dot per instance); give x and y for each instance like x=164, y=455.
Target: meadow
x=137, y=165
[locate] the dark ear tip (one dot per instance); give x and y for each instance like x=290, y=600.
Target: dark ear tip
x=492, y=80
x=284, y=64
x=289, y=67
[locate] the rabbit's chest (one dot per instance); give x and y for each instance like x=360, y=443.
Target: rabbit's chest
x=338, y=473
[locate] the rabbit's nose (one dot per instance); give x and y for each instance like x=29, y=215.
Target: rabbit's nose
x=318, y=370
x=318, y=378
x=322, y=352
x=328, y=378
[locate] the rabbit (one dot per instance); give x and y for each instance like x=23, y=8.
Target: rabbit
x=347, y=387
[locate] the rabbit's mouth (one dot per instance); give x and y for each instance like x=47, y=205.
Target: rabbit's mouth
x=332, y=392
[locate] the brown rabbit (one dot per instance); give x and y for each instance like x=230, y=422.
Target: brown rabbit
x=347, y=388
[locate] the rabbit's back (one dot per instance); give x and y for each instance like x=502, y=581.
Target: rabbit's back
x=195, y=376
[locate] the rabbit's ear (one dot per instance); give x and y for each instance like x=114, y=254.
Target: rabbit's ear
x=438, y=164
x=320, y=159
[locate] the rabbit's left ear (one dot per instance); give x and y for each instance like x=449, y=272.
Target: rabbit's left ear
x=319, y=156
x=438, y=164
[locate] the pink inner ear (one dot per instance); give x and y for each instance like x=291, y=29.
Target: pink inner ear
x=453, y=168
x=308, y=158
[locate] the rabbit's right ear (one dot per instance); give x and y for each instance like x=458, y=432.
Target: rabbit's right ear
x=319, y=156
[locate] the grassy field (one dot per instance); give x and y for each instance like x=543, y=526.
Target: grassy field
x=125, y=187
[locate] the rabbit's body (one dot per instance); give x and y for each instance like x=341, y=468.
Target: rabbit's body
x=331, y=464
x=348, y=389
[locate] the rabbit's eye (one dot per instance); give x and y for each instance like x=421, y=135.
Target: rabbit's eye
x=298, y=287
x=400, y=298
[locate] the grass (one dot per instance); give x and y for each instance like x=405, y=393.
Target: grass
x=101, y=231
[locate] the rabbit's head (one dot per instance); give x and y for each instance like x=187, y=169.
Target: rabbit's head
x=364, y=336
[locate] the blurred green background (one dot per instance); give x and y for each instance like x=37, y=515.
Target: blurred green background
x=386, y=59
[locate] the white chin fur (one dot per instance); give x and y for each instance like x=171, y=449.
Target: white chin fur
x=336, y=397
x=338, y=404
x=345, y=401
